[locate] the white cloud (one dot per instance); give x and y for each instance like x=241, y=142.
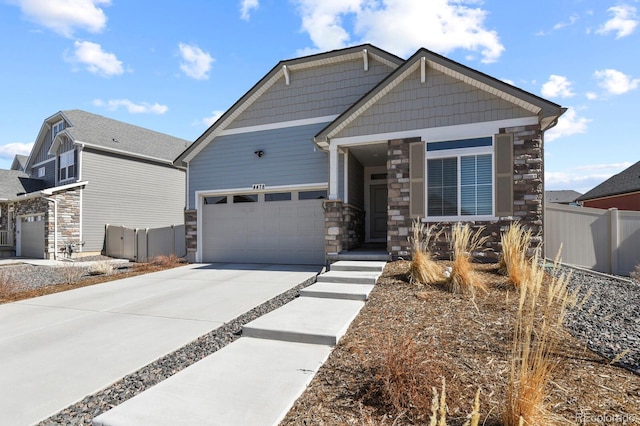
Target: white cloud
x=568, y=124
x=195, y=63
x=95, y=59
x=65, y=16
x=557, y=86
x=615, y=82
x=400, y=26
x=131, y=107
x=246, y=7
x=11, y=149
x=582, y=178
x=215, y=115
x=623, y=23
x=572, y=20
x=592, y=96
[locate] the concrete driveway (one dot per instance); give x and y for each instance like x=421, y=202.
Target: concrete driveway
x=56, y=349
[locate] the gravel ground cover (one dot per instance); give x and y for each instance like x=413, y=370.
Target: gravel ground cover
x=608, y=322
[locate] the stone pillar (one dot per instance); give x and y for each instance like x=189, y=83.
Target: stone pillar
x=191, y=233
x=398, y=217
x=334, y=231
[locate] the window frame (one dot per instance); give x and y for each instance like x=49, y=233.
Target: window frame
x=57, y=128
x=66, y=168
x=458, y=153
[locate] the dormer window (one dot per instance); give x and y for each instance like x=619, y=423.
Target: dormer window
x=57, y=128
x=67, y=165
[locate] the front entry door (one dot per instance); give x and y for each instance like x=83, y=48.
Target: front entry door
x=378, y=212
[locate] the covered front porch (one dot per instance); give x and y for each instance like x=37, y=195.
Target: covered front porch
x=368, y=207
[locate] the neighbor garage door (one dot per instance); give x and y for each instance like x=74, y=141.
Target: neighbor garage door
x=32, y=237
x=283, y=227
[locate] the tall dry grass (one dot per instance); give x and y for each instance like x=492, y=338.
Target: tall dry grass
x=8, y=285
x=535, y=339
x=514, y=260
x=464, y=242
x=423, y=269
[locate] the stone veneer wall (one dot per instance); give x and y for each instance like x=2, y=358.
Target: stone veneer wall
x=354, y=227
x=528, y=198
x=191, y=233
x=343, y=226
x=68, y=218
x=68, y=221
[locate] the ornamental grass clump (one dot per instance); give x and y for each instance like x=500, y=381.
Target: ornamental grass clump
x=423, y=270
x=535, y=339
x=514, y=261
x=465, y=241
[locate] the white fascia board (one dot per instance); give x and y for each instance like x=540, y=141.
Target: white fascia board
x=43, y=162
x=277, y=188
x=124, y=153
x=439, y=134
x=279, y=125
x=51, y=191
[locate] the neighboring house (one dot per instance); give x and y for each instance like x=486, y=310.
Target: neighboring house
x=86, y=171
x=621, y=191
x=561, y=196
x=19, y=162
x=329, y=151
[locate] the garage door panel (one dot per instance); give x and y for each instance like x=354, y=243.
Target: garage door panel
x=264, y=232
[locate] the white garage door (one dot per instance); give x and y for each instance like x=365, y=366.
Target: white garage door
x=32, y=237
x=284, y=227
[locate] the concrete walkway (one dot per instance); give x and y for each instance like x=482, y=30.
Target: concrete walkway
x=255, y=380
x=56, y=349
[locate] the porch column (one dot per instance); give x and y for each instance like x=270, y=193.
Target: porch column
x=333, y=172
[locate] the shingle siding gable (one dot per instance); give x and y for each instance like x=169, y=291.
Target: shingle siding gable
x=313, y=92
x=440, y=101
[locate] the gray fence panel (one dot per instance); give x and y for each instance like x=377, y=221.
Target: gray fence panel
x=602, y=240
x=628, y=241
x=143, y=244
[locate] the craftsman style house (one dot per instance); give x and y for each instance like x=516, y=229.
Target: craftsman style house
x=86, y=171
x=329, y=151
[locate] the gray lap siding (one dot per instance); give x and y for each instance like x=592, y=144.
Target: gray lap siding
x=290, y=158
x=123, y=191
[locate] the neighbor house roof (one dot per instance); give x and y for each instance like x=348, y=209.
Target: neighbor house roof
x=105, y=134
x=624, y=182
x=548, y=112
x=15, y=182
x=19, y=162
x=561, y=196
x=272, y=76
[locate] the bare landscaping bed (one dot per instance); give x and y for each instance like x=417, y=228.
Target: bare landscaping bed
x=423, y=334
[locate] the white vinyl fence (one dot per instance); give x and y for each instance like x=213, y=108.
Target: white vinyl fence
x=141, y=244
x=602, y=240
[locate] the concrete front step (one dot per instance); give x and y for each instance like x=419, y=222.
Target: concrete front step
x=252, y=382
x=306, y=320
x=355, y=265
x=338, y=291
x=350, y=277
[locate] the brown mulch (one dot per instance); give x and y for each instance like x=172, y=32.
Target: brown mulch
x=465, y=341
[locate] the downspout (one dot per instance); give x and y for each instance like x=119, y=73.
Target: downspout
x=55, y=226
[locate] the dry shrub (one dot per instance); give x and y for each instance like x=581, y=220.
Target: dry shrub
x=514, y=261
x=101, y=268
x=166, y=261
x=8, y=285
x=71, y=273
x=534, y=341
x=464, y=241
x=423, y=269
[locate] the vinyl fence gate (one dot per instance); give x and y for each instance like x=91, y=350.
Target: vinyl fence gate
x=141, y=244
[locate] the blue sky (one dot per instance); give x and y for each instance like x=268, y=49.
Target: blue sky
x=175, y=66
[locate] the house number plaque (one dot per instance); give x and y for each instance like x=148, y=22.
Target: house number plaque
x=258, y=186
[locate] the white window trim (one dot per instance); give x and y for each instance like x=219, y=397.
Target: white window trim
x=71, y=152
x=460, y=152
x=55, y=130
x=42, y=171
